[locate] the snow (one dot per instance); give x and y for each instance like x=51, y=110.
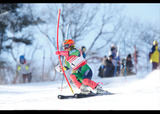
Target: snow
x=139, y=92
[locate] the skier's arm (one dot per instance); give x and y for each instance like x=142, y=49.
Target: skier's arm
x=67, y=65
x=59, y=69
x=65, y=68
x=63, y=53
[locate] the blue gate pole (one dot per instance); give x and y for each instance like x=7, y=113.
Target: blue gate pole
x=125, y=58
x=117, y=57
x=147, y=58
x=67, y=38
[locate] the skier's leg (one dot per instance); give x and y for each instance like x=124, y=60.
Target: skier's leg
x=75, y=81
x=86, y=75
x=87, y=81
x=90, y=83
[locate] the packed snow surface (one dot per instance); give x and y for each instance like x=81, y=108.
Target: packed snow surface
x=139, y=92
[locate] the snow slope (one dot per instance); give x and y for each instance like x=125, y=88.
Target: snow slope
x=141, y=92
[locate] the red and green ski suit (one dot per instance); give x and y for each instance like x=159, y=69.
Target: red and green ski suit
x=82, y=72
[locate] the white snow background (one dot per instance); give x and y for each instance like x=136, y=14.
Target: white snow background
x=139, y=92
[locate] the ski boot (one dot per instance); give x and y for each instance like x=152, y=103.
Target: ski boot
x=99, y=90
x=84, y=89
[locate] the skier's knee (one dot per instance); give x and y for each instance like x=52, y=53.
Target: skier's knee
x=75, y=81
x=73, y=77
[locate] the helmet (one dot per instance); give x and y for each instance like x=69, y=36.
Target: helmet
x=68, y=43
x=155, y=42
x=129, y=56
x=83, y=48
x=22, y=59
x=113, y=46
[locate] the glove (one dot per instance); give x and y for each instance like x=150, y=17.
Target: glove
x=57, y=52
x=59, y=69
x=63, y=53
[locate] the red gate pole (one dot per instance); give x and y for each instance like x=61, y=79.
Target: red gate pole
x=58, y=50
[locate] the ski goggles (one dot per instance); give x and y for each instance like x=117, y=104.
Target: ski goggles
x=66, y=46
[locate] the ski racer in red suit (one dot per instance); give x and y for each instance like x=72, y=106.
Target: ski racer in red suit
x=82, y=73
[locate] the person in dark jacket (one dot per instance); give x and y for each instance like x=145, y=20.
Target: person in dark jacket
x=129, y=66
x=83, y=49
x=101, y=68
x=109, y=67
x=116, y=58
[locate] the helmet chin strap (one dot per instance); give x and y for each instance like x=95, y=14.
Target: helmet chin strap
x=71, y=48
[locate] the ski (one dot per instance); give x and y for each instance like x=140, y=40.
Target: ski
x=65, y=96
x=79, y=95
x=92, y=94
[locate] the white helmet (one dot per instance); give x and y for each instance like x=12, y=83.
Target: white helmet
x=113, y=46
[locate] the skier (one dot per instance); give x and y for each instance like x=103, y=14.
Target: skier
x=83, y=73
x=154, y=55
x=23, y=68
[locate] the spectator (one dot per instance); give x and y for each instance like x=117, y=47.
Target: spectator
x=116, y=60
x=129, y=66
x=109, y=67
x=154, y=55
x=83, y=49
x=101, y=68
x=23, y=69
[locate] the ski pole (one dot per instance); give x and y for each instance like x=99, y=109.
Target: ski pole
x=58, y=50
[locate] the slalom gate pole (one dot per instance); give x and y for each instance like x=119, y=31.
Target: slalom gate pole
x=117, y=57
x=115, y=68
x=63, y=76
x=58, y=50
x=125, y=59
x=135, y=56
x=62, y=83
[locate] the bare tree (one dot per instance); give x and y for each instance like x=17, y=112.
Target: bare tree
x=83, y=19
